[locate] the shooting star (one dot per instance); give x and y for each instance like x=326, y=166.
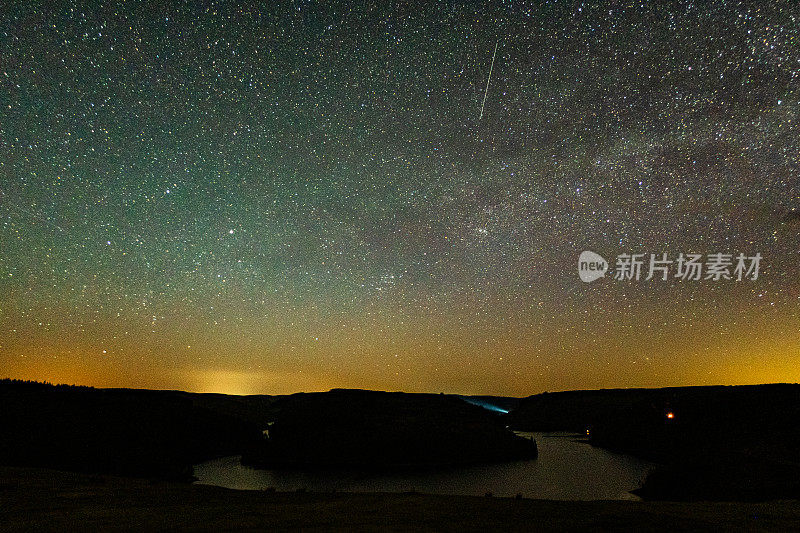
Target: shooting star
x=486, y=92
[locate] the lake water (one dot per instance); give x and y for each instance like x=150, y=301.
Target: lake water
x=565, y=470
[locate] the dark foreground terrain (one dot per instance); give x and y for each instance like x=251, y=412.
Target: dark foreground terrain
x=46, y=500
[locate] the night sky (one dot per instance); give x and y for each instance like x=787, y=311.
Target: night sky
x=299, y=195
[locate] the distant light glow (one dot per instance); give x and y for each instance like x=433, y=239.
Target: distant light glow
x=486, y=405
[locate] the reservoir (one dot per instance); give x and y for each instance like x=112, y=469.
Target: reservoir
x=566, y=469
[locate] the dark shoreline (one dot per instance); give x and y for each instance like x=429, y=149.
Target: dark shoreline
x=40, y=499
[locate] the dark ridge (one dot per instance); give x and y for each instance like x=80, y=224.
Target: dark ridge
x=119, y=431
x=162, y=433
x=384, y=429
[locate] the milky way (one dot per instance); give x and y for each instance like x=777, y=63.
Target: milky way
x=305, y=195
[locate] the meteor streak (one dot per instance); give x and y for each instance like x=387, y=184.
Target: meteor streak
x=486, y=92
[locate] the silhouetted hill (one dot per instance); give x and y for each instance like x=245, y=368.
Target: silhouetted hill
x=703, y=435
x=375, y=429
x=162, y=433
x=120, y=431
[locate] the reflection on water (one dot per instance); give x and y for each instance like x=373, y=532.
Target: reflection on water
x=565, y=470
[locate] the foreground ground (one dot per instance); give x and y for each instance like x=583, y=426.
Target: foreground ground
x=32, y=499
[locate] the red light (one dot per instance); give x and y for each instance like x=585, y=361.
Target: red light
x=670, y=415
